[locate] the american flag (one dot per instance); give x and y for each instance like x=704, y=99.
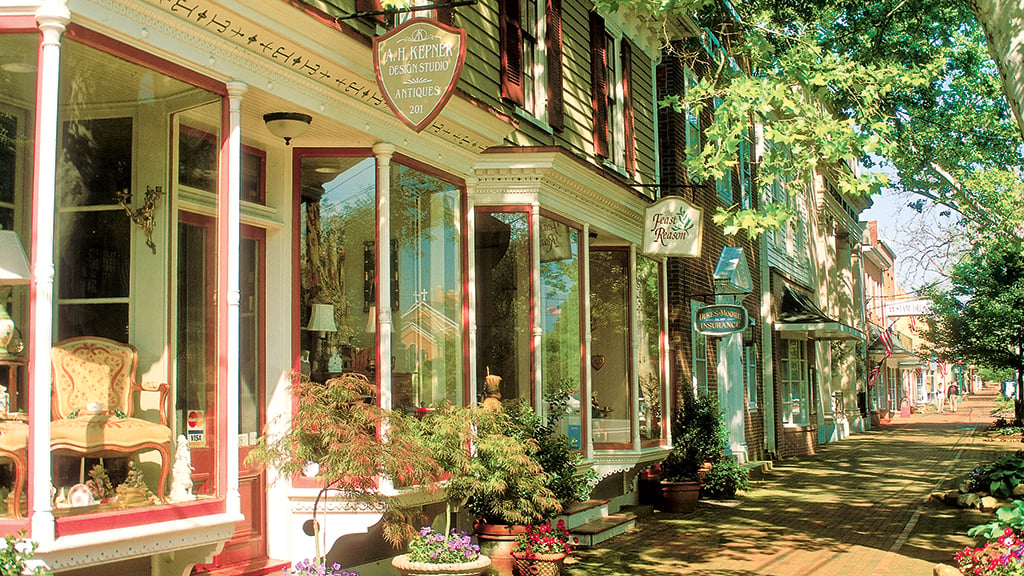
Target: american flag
x=886, y=339
x=874, y=375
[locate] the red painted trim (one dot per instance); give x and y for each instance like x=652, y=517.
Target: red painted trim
x=18, y=23
x=145, y=515
x=136, y=56
x=429, y=170
x=460, y=60
x=328, y=20
x=14, y=526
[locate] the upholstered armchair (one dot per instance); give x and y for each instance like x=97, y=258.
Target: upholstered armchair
x=14, y=447
x=93, y=404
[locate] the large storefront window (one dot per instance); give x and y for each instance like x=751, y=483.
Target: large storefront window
x=610, y=347
x=338, y=258
x=503, y=303
x=17, y=114
x=121, y=126
x=426, y=343
x=560, y=331
x=648, y=306
x=794, y=386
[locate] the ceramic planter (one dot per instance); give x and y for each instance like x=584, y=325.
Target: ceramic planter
x=407, y=567
x=538, y=564
x=679, y=497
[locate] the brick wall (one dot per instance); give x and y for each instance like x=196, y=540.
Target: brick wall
x=691, y=278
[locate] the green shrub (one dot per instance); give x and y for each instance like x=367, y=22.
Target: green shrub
x=1006, y=517
x=998, y=478
x=725, y=478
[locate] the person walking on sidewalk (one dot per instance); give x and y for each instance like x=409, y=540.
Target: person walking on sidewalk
x=939, y=400
x=953, y=395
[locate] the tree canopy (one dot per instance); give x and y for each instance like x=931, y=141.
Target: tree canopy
x=906, y=88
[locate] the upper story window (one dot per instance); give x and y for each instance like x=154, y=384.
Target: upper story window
x=692, y=120
x=531, y=58
x=699, y=352
x=611, y=73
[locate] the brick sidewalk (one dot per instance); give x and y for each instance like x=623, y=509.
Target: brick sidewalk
x=858, y=507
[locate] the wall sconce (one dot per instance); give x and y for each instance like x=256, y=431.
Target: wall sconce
x=321, y=321
x=287, y=125
x=14, y=269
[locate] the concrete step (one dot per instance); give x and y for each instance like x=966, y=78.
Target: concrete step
x=596, y=531
x=579, y=513
x=641, y=511
x=758, y=469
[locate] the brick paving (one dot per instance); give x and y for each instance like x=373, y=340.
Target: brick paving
x=857, y=507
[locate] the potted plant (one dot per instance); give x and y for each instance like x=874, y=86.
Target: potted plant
x=317, y=567
x=698, y=437
x=338, y=435
x=493, y=474
x=18, y=557
x=542, y=550
x=433, y=553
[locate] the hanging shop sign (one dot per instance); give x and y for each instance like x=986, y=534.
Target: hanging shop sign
x=919, y=307
x=673, y=227
x=417, y=66
x=721, y=319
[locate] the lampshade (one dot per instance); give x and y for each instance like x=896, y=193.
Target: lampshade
x=14, y=268
x=371, y=320
x=287, y=125
x=322, y=318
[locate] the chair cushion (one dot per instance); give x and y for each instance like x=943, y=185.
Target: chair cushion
x=88, y=371
x=13, y=436
x=97, y=433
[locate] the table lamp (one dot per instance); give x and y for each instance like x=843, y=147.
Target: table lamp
x=321, y=321
x=14, y=269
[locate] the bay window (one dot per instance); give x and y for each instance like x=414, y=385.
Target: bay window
x=610, y=406
x=794, y=385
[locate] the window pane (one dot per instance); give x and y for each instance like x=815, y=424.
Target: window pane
x=560, y=314
x=96, y=161
x=338, y=258
x=648, y=283
x=503, y=302
x=609, y=323
x=426, y=343
x=94, y=255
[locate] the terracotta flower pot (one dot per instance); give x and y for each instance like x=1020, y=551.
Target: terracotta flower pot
x=496, y=541
x=538, y=564
x=407, y=567
x=679, y=497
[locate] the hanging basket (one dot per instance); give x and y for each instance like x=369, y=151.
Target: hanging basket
x=538, y=564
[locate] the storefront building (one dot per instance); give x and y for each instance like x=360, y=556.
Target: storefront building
x=162, y=206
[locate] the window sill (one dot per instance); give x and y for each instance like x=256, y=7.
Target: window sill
x=798, y=427
x=537, y=122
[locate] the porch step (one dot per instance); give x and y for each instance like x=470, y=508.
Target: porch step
x=758, y=469
x=641, y=511
x=596, y=531
x=253, y=568
x=579, y=513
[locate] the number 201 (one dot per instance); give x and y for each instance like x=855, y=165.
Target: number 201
x=416, y=109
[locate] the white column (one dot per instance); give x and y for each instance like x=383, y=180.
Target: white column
x=730, y=386
x=535, y=291
x=469, y=243
x=52, y=18
x=235, y=92
x=383, y=151
x=588, y=374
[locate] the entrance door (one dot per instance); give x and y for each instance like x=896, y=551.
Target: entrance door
x=249, y=542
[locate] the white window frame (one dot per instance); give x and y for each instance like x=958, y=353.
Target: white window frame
x=534, y=28
x=794, y=387
x=698, y=353
x=750, y=375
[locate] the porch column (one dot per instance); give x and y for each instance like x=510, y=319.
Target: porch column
x=52, y=18
x=537, y=330
x=383, y=152
x=586, y=420
x=469, y=241
x=234, y=161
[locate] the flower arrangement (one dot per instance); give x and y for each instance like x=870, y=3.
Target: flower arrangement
x=433, y=547
x=17, y=557
x=1000, y=557
x=544, y=539
x=317, y=567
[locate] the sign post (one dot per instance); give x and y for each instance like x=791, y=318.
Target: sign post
x=417, y=65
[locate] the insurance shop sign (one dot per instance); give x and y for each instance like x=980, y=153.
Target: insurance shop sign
x=417, y=65
x=720, y=319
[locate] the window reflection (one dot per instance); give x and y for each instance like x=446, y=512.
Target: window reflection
x=609, y=323
x=503, y=304
x=648, y=282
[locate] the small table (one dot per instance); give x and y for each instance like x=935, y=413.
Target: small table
x=13, y=364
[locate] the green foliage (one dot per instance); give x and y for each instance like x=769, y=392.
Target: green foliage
x=494, y=474
x=1011, y=516
x=338, y=427
x=554, y=453
x=1000, y=477
x=724, y=479
x=17, y=555
x=698, y=436
x=980, y=318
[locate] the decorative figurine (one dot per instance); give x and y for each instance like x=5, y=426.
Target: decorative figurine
x=181, y=473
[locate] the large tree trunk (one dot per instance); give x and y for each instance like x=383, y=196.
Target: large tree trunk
x=1003, y=23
